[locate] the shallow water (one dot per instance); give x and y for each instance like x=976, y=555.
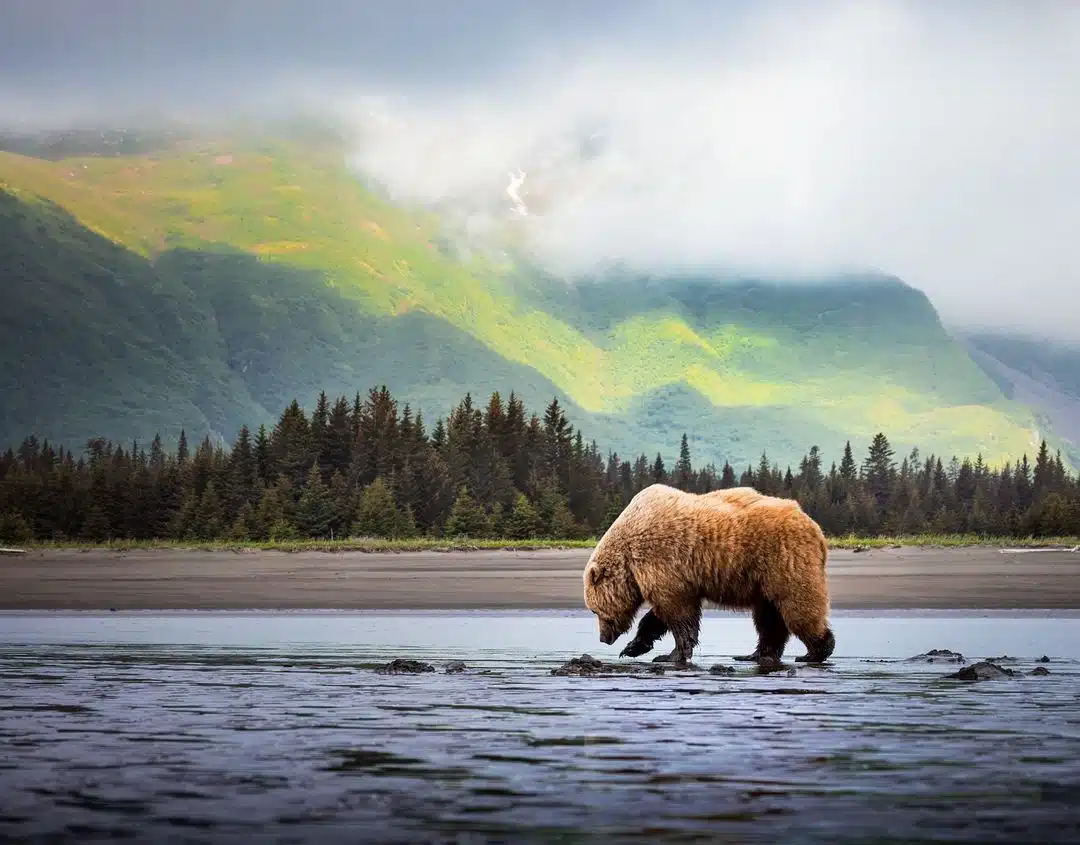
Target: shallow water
x=209, y=727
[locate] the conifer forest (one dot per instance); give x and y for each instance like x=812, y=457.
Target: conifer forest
x=370, y=467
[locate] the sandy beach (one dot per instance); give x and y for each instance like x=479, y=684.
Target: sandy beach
x=955, y=578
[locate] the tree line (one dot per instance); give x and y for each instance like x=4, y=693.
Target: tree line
x=368, y=467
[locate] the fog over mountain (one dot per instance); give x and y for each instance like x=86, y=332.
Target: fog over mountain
x=934, y=142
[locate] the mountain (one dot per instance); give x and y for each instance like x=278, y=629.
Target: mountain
x=163, y=281
x=1041, y=374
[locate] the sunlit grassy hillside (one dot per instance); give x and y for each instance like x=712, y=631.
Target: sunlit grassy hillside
x=210, y=281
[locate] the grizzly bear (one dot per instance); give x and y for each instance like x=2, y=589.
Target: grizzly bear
x=736, y=548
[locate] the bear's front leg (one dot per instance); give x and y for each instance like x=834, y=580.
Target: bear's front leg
x=684, y=623
x=650, y=629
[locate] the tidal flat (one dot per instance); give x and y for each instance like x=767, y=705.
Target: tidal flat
x=222, y=726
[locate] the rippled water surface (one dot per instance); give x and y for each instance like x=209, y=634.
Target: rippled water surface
x=209, y=727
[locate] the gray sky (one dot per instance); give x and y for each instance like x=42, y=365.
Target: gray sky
x=939, y=142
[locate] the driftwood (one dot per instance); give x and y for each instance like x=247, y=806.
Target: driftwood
x=1023, y=551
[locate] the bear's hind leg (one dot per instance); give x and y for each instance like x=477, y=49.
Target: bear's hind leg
x=650, y=629
x=807, y=621
x=772, y=633
x=818, y=649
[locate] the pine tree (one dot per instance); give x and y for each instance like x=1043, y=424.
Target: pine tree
x=378, y=515
x=467, y=518
x=14, y=528
x=273, y=516
x=684, y=470
x=243, y=473
x=1043, y=480
x=847, y=464
x=243, y=527
x=96, y=528
x=563, y=524
x=343, y=505
x=878, y=470
x=209, y=522
x=182, y=448
x=659, y=473
x=727, y=477
x=314, y=509
x=762, y=479
x=523, y=522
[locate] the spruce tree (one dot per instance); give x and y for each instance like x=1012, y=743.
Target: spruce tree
x=684, y=470
x=523, y=522
x=878, y=470
x=847, y=464
x=467, y=518
x=727, y=477
x=209, y=522
x=314, y=509
x=659, y=473
x=377, y=514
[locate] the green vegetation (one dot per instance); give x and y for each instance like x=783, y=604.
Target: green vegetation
x=434, y=544
x=200, y=284
x=368, y=468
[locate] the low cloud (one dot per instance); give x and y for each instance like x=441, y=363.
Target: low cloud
x=935, y=143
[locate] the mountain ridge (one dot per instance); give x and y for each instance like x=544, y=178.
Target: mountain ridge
x=308, y=240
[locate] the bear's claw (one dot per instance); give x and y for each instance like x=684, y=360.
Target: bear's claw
x=635, y=648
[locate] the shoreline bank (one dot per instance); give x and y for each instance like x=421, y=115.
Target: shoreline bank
x=957, y=578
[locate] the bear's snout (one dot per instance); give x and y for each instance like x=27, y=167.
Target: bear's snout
x=609, y=632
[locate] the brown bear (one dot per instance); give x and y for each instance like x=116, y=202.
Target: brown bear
x=735, y=548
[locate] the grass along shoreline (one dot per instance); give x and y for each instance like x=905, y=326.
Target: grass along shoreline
x=465, y=544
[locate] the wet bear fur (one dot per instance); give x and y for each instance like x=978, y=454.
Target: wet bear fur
x=736, y=548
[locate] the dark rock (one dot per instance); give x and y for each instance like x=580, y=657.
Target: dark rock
x=589, y=665
x=860, y=549
x=721, y=669
x=1040, y=670
x=768, y=665
x=1002, y=659
x=938, y=655
x=1043, y=659
x=455, y=667
x=669, y=660
x=405, y=667
x=982, y=671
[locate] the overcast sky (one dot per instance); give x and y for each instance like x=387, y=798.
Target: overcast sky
x=937, y=141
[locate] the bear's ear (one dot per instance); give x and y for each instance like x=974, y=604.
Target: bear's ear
x=596, y=575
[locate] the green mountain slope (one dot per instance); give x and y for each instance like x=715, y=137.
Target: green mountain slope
x=100, y=341
x=1043, y=375
x=206, y=283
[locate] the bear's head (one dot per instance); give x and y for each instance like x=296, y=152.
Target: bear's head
x=612, y=593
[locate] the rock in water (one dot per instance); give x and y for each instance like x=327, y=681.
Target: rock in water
x=938, y=655
x=721, y=669
x=1043, y=659
x=455, y=667
x=1040, y=670
x=589, y=665
x=981, y=671
x=405, y=667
